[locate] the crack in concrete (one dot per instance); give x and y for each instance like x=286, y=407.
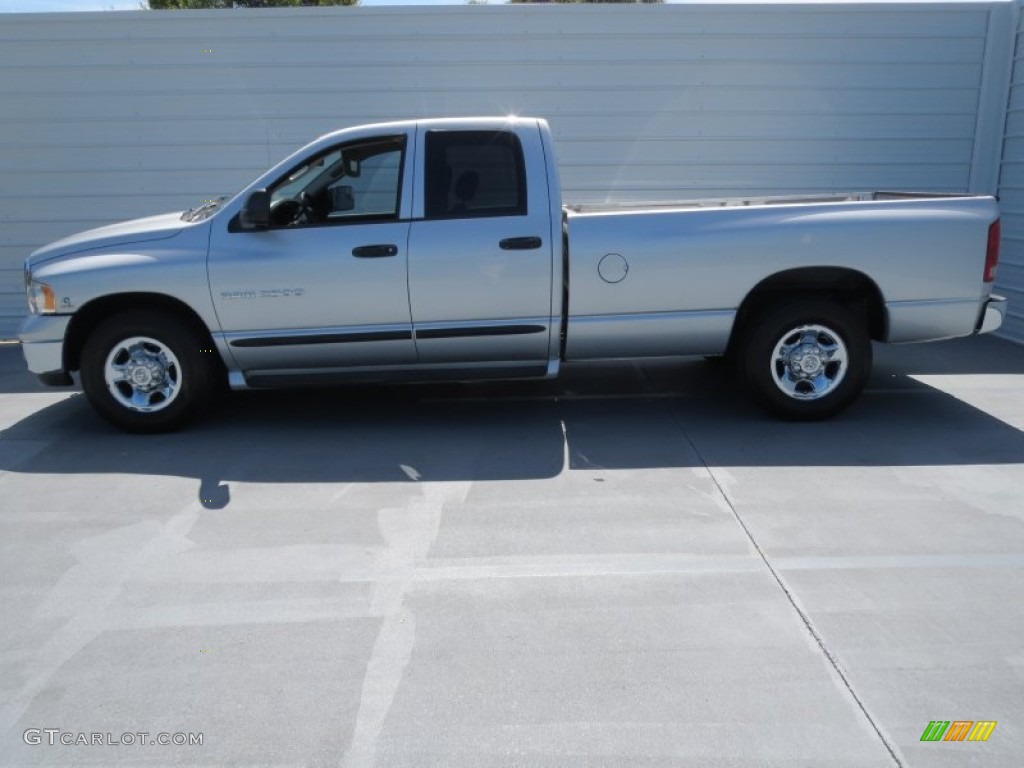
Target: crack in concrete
x=804, y=617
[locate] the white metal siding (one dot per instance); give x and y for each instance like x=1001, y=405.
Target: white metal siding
x=1010, y=277
x=109, y=116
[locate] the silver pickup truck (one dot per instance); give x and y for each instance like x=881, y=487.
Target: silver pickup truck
x=441, y=249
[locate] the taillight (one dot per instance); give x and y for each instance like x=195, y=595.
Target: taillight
x=992, y=252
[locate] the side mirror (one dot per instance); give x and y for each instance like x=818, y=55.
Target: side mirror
x=256, y=211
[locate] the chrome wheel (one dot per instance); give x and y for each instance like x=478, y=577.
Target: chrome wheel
x=809, y=362
x=142, y=374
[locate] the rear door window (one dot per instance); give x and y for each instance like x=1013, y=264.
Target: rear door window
x=474, y=174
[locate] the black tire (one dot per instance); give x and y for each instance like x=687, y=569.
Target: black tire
x=176, y=368
x=827, y=366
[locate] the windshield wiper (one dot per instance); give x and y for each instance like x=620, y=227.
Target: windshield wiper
x=204, y=210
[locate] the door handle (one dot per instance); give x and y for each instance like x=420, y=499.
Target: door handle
x=374, y=251
x=520, y=244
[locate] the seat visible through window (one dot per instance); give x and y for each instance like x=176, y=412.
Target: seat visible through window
x=488, y=172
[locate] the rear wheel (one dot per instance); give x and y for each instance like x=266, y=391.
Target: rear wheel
x=807, y=360
x=147, y=371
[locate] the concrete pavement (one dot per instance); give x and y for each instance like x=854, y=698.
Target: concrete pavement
x=628, y=567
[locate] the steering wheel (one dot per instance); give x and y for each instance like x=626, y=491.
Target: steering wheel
x=314, y=209
x=290, y=211
x=285, y=212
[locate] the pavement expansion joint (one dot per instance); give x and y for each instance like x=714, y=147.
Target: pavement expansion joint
x=808, y=624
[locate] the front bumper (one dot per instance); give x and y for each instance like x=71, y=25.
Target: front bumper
x=991, y=316
x=42, y=344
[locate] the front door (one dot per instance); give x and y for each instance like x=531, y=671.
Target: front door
x=326, y=286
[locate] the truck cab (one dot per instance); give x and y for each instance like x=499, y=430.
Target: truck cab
x=418, y=244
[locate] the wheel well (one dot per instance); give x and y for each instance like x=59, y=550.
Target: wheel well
x=85, y=320
x=854, y=289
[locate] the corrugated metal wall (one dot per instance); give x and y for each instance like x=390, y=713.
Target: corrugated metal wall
x=113, y=115
x=1010, y=277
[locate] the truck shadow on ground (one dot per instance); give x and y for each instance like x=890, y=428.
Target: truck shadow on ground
x=612, y=417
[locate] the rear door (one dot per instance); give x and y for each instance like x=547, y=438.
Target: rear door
x=480, y=251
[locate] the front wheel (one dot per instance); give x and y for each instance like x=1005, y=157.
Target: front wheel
x=807, y=360
x=146, y=371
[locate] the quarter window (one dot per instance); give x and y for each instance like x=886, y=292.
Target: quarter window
x=474, y=173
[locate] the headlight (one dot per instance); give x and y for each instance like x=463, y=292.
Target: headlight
x=40, y=299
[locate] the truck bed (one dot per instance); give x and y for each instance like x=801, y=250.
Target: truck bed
x=668, y=279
